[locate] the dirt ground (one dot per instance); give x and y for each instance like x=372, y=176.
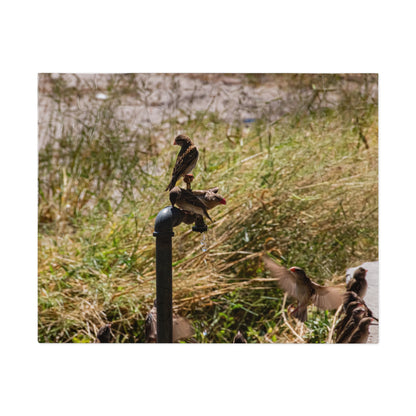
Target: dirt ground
x=147, y=100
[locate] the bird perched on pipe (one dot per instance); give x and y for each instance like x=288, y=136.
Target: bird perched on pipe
x=187, y=201
x=297, y=284
x=181, y=327
x=185, y=161
x=358, y=282
x=211, y=198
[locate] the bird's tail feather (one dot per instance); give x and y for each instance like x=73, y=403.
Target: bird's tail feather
x=301, y=313
x=171, y=185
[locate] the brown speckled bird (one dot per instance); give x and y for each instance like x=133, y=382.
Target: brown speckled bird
x=211, y=198
x=351, y=297
x=186, y=160
x=361, y=333
x=239, y=339
x=348, y=298
x=343, y=336
x=104, y=334
x=181, y=327
x=358, y=283
x=295, y=282
x=186, y=200
x=339, y=327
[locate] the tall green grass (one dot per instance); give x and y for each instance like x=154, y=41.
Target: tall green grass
x=303, y=186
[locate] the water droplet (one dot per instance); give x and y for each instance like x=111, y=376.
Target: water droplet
x=203, y=244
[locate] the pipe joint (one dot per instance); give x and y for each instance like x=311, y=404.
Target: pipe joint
x=167, y=218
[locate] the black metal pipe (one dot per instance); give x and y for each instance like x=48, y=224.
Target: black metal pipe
x=168, y=218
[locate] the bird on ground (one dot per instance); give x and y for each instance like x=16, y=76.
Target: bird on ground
x=358, y=283
x=181, y=327
x=185, y=161
x=361, y=333
x=104, y=335
x=348, y=298
x=351, y=297
x=211, y=198
x=187, y=201
x=343, y=336
x=239, y=339
x=339, y=327
x=297, y=284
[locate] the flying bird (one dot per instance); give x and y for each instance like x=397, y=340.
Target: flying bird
x=298, y=285
x=186, y=200
x=186, y=160
x=181, y=327
x=360, y=335
x=358, y=283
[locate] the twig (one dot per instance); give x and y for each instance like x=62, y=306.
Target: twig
x=329, y=339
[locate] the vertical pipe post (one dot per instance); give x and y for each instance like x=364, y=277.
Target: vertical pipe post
x=167, y=218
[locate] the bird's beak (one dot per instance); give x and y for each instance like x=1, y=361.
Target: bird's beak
x=174, y=142
x=223, y=201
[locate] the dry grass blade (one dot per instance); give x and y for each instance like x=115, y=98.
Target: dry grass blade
x=334, y=321
x=298, y=337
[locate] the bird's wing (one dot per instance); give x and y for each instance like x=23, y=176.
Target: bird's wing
x=285, y=279
x=191, y=199
x=199, y=192
x=189, y=158
x=350, y=284
x=328, y=297
x=182, y=328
